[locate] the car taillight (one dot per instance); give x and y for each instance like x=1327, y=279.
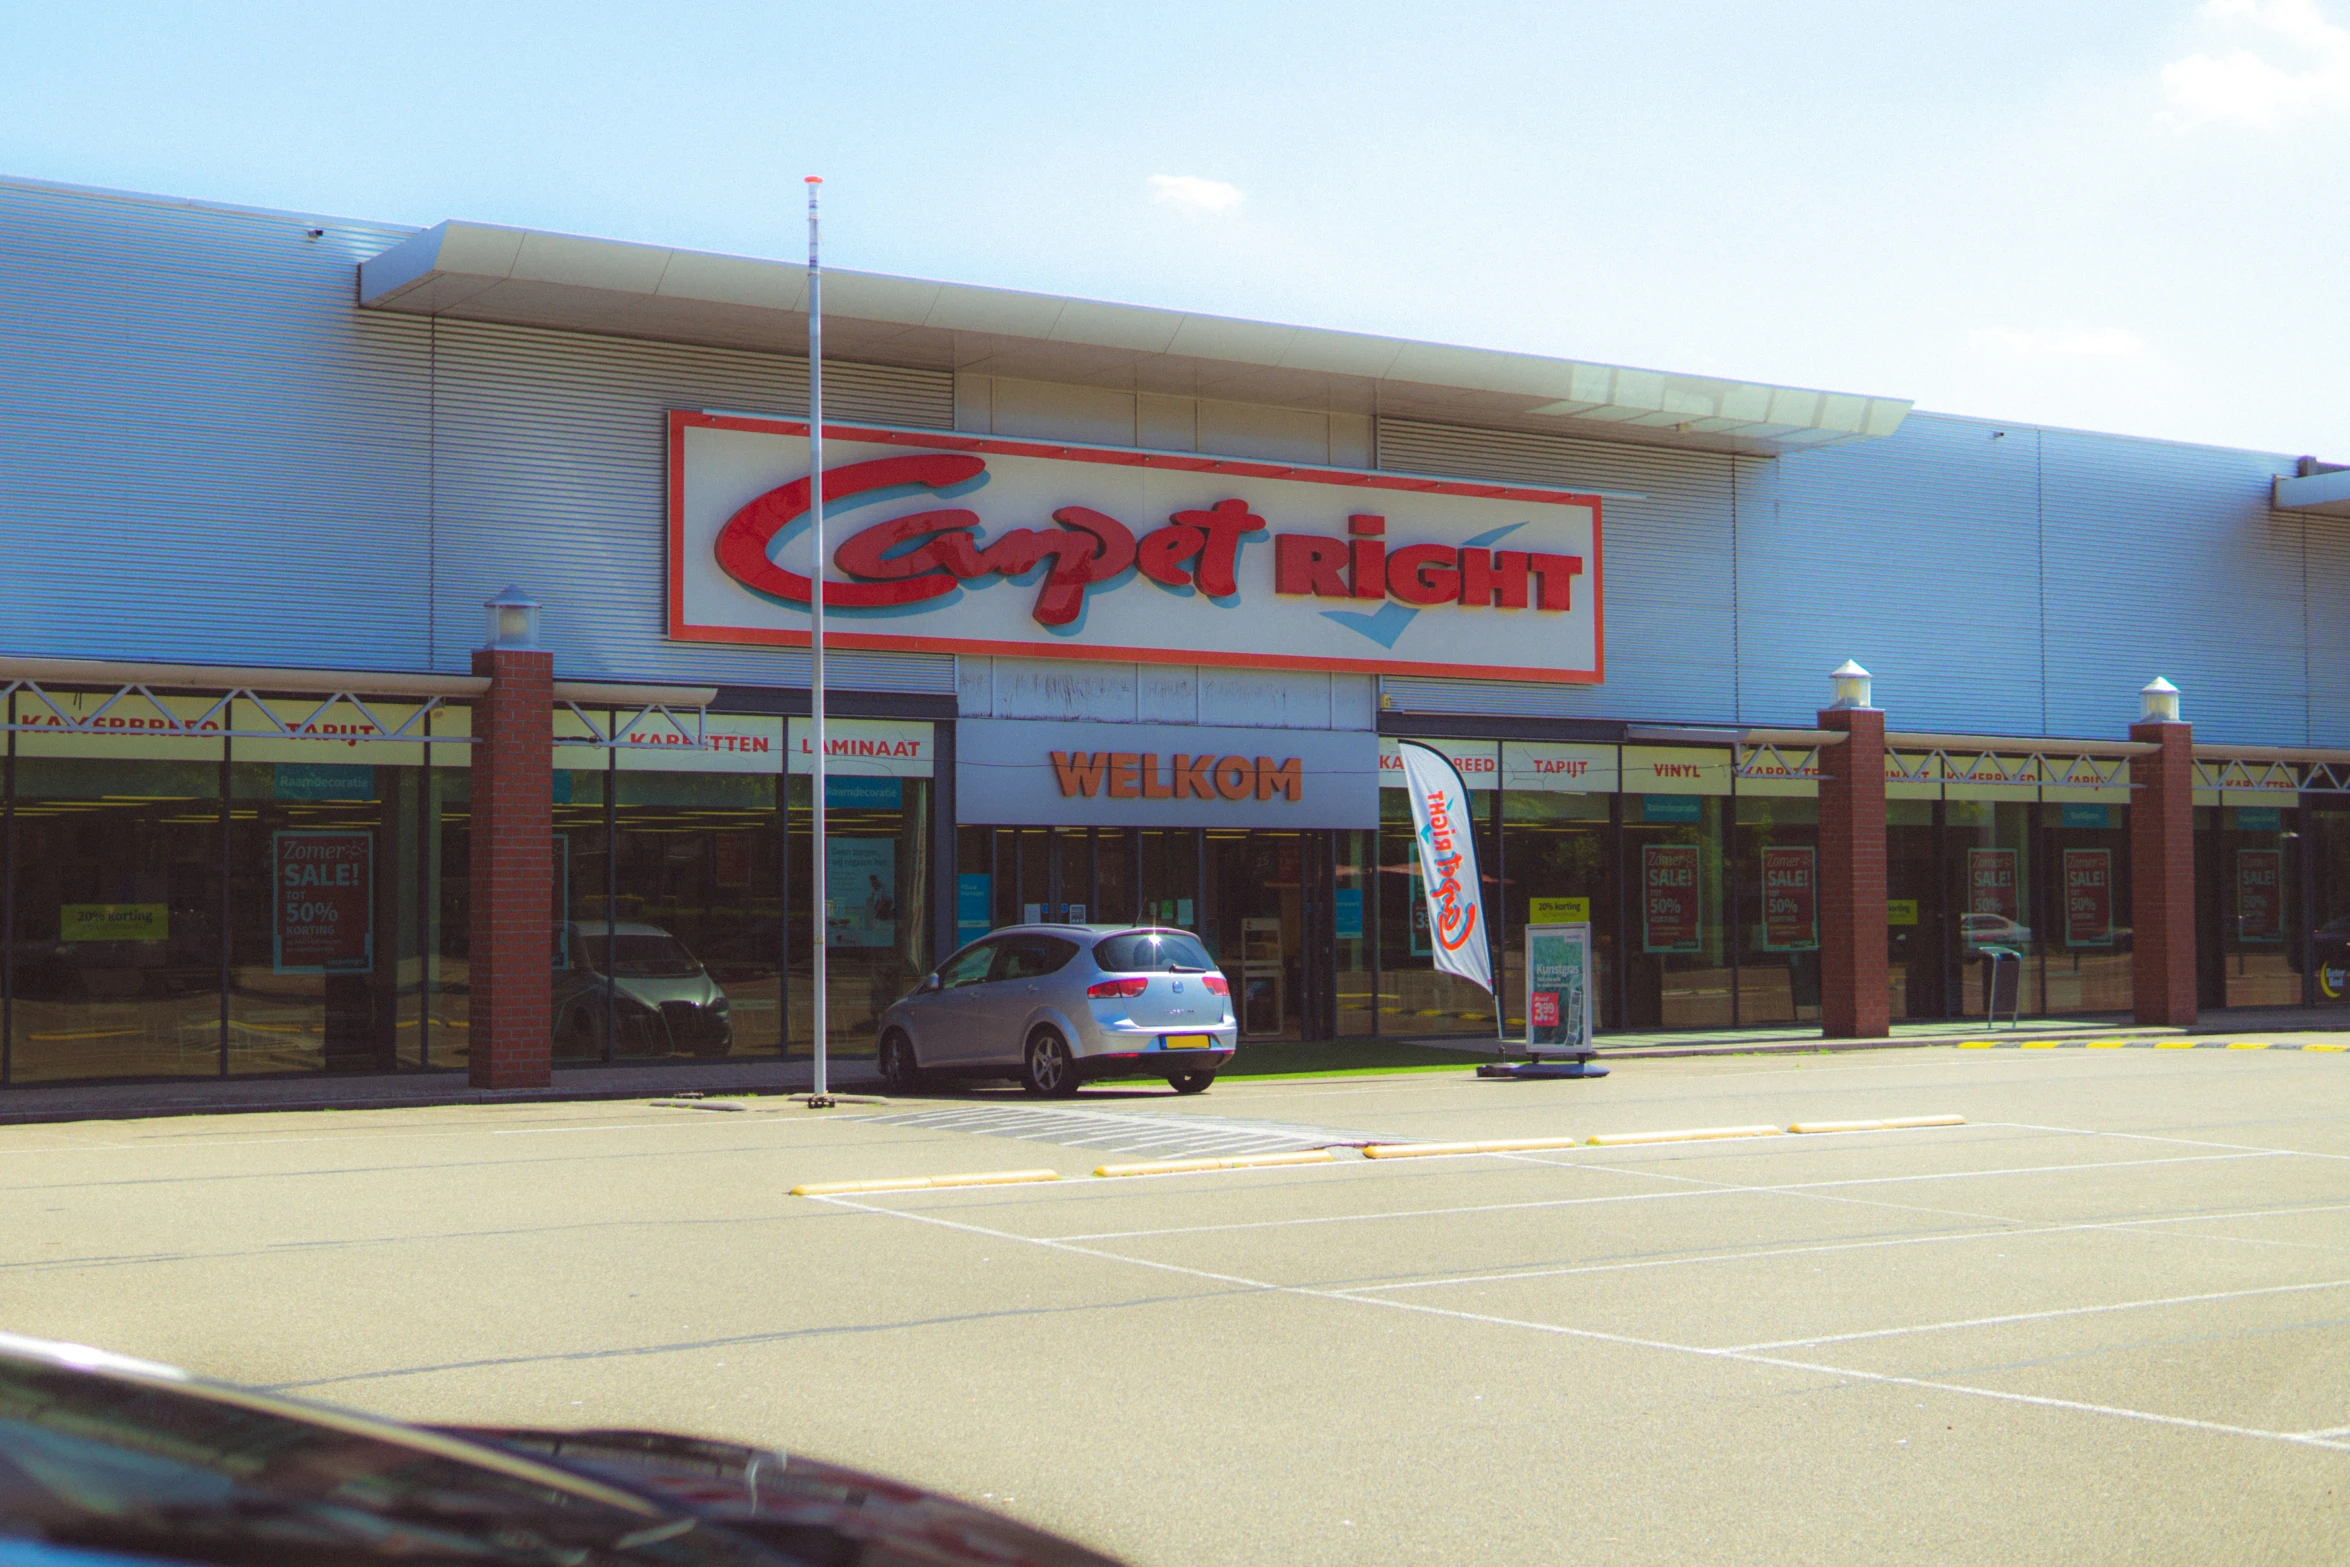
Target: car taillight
x=1216, y=985
x=1105, y=990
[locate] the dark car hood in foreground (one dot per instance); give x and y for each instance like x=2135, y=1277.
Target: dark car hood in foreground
x=819, y=1512
x=103, y=1457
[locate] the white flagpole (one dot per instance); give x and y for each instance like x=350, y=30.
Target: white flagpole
x=820, y=1095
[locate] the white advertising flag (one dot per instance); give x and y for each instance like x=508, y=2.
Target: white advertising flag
x=1443, y=824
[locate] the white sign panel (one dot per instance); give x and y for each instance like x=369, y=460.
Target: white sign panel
x=1651, y=769
x=867, y=747
x=949, y=543
x=333, y=729
x=1561, y=988
x=730, y=743
x=1477, y=761
x=130, y=724
x=656, y=743
x=1558, y=767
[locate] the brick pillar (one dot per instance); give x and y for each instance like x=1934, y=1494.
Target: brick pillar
x=513, y=871
x=1854, y=1000
x=2162, y=875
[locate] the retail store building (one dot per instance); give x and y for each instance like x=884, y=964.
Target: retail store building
x=1132, y=607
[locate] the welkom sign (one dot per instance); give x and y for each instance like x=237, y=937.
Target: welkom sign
x=1024, y=772
x=947, y=543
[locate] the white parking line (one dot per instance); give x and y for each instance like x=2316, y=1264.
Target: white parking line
x=605, y=1126
x=1846, y=1373
x=1161, y=1135
x=1369, y=1218
x=2003, y=1233
x=2046, y=1316
x=1724, y=1189
x=1841, y=1373
x=2150, y=1137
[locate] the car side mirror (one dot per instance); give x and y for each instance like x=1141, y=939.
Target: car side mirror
x=929, y=982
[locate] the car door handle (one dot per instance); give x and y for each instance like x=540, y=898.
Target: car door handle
x=1032, y=990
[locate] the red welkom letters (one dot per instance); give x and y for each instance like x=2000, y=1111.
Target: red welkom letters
x=1135, y=775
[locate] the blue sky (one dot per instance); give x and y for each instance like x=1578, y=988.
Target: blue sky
x=2120, y=216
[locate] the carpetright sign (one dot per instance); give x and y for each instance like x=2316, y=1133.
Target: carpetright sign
x=949, y=543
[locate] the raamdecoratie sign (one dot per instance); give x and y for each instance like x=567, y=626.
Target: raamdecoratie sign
x=948, y=543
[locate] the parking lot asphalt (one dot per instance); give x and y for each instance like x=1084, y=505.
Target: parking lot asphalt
x=2107, y=1319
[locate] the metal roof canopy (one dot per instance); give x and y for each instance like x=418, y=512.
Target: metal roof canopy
x=2326, y=494
x=479, y=272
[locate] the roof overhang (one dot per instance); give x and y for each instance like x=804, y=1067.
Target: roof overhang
x=476, y=272
x=2326, y=494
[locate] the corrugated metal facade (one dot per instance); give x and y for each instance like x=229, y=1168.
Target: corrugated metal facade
x=2325, y=650
x=207, y=453
x=1993, y=577
x=1919, y=556
x=1163, y=694
x=2166, y=559
x=1670, y=583
x=548, y=449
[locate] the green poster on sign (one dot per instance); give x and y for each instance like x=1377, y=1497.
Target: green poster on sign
x=1560, y=987
x=113, y=922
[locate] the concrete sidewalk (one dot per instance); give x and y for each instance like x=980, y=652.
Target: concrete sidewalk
x=216, y=1096
x=854, y=1073
x=1641, y=1043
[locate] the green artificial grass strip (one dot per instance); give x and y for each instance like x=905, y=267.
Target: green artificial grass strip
x=1287, y=1058
x=1343, y=1071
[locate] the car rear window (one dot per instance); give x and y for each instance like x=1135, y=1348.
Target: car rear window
x=1027, y=957
x=1152, y=952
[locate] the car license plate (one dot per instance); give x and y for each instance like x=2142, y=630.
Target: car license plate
x=1187, y=1041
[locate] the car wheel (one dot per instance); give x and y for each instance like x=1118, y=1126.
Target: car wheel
x=1191, y=1082
x=1052, y=1071
x=900, y=1072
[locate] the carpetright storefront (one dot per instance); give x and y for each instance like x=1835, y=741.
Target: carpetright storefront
x=1129, y=610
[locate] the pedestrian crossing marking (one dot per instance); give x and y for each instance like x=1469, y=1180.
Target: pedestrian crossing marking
x=1160, y=1136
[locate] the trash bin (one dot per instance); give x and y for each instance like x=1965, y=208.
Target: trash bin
x=2003, y=983
x=1803, y=978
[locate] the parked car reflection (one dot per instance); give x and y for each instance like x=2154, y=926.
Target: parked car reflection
x=1993, y=930
x=663, y=1001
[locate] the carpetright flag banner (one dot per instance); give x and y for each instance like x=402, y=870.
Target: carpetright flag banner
x=1448, y=863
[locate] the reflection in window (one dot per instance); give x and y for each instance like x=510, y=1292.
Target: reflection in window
x=878, y=922
x=1414, y=997
x=1679, y=964
x=674, y=940
x=1557, y=859
x=117, y=919
x=1778, y=909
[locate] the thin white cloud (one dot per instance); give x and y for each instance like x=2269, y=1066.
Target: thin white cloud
x=2299, y=61
x=2109, y=342
x=1193, y=194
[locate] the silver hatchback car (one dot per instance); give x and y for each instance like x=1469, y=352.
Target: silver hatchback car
x=1059, y=1005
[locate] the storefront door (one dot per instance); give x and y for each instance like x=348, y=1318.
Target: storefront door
x=1255, y=926
x=1916, y=950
